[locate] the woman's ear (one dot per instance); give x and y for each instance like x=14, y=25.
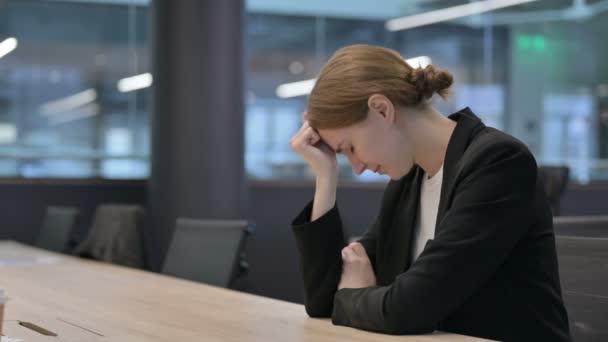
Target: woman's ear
x=381, y=105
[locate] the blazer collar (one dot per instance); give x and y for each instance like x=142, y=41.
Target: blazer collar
x=468, y=125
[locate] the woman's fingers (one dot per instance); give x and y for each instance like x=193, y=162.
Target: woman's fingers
x=355, y=253
x=348, y=255
x=302, y=129
x=312, y=136
x=307, y=137
x=325, y=148
x=358, y=248
x=308, y=144
x=305, y=116
x=305, y=134
x=301, y=138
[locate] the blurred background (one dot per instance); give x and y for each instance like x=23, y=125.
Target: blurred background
x=186, y=108
x=63, y=115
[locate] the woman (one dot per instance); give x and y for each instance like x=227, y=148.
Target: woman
x=464, y=239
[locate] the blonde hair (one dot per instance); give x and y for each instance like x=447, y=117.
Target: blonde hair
x=354, y=73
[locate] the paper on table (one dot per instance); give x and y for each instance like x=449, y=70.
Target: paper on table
x=28, y=261
x=10, y=339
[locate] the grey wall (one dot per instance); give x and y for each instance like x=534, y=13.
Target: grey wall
x=23, y=202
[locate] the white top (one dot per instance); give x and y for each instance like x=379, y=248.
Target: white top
x=424, y=229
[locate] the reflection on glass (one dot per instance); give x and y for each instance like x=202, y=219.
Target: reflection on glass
x=535, y=70
x=61, y=111
x=75, y=78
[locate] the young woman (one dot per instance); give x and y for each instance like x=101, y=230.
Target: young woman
x=464, y=240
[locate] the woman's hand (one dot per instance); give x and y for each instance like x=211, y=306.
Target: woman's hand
x=321, y=158
x=357, y=271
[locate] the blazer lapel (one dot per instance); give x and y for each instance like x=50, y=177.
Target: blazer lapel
x=395, y=254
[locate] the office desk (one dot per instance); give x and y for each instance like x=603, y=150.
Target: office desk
x=83, y=300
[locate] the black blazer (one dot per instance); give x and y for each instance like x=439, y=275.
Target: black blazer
x=491, y=270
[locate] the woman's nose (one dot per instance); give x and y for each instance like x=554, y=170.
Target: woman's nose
x=357, y=165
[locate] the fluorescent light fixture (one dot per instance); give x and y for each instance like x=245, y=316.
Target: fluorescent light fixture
x=68, y=103
x=449, y=13
x=8, y=133
x=136, y=82
x=7, y=45
x=419, y=62
x=302, y=88
x=87, y=111
x=295, y=89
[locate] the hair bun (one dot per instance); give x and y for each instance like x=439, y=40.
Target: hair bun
x=431, y=80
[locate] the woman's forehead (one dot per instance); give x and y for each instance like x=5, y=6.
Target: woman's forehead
x=333, y=136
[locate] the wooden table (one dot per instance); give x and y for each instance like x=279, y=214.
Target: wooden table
x=84, y=300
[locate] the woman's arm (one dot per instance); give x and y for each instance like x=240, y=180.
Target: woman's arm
x=319, y=243
x=318, y=229
x=319, y=236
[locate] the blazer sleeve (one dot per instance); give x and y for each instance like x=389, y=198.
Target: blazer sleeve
x=369, y=239
x=319, y=243
x=492, y=209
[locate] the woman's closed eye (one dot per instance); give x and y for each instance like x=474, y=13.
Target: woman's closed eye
x=350, y=151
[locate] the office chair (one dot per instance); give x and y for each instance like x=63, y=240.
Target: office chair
x=115, y=236
x=555, y=180
x=56, y=228
x=208, y=251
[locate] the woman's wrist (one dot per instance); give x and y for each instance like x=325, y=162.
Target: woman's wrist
x=325, y=195
x=327, y=180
